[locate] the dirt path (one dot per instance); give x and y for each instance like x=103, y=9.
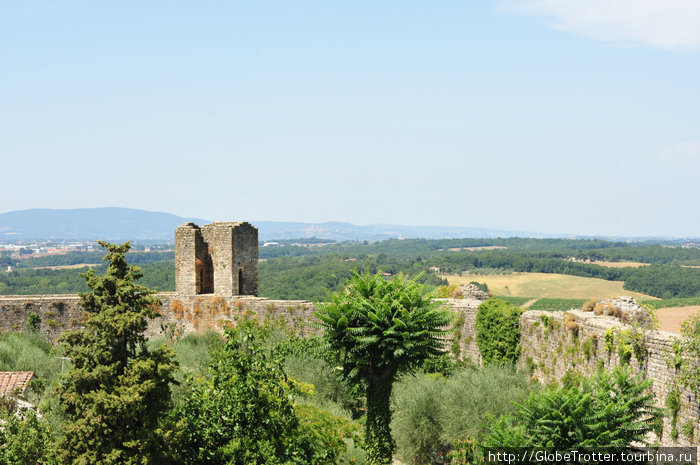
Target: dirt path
x=670, y=319
x=528, y=303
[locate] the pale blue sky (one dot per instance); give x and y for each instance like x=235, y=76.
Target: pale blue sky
x=559, y=116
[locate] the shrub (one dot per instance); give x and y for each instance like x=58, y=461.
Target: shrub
x=434, y=412
x=688, y=429
x=242, y=413
x=416, y=422
x=328, y=384
x=588, y=347
x=498, y=331
x=471, y=397
x=588, y=306
x=611, y=410
x=326, y=432
x=606, y=308
x=33, y=322
x=631, y=341
x=609, y=338
x=571, y=324
x=689, y=347
x=24, y=439
x=482, y=286
x=673, y=407
x=451, y=291
x=29, y=352
x=572, y=379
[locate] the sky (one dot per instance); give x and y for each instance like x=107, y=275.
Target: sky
x=552, y=116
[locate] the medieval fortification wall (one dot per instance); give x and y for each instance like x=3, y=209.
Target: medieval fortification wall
x=217, y=280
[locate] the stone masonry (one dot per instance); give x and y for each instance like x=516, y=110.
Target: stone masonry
x=218, y=258
x=554, y=343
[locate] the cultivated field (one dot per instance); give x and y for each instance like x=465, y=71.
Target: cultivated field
x=621, y=264
x=670, y=319
x=477, y=248
x=65, y=267
x=537, y=285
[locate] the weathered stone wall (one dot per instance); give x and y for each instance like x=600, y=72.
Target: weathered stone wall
x=549, y=350
x=186, y=238
x=218, y=258
x=187, y=314
x=201, y=313
x=245, y=259
x=57, y=313
x=553, y=344
x=464, y=331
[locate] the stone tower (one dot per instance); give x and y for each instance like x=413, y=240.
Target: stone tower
x=218, y=258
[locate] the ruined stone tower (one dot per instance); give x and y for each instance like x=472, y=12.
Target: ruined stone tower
x=218, y=258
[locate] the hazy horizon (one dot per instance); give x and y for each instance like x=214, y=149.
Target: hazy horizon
x=553, y=117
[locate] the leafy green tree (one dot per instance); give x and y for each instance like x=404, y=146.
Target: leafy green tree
x=25, y=439
x=242, y=412
x=612, y=411
x=378, y=329
x=115, y=396
x=498, y=331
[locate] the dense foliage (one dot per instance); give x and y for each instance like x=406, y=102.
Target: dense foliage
x=611, y=410
x=378, y=329
x=24, y=438
x=117, y=393
x=159, y=276
x=434, y=413
x=498, y=331
x=77, y=258
x=242, y=412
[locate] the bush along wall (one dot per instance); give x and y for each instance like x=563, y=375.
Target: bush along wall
x=498, y=332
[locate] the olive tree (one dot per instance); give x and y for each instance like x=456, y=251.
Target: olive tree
x=377, y=329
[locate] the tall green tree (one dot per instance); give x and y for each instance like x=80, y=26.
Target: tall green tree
x=115, y=396
x=378, y=329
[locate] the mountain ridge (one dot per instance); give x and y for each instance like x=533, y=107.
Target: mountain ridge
x=120, y=224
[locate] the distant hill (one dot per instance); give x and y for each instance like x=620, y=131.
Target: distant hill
x=115, y=224
x=110, y=223
x=373, y=232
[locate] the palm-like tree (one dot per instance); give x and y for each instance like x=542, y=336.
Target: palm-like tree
x=378, y=329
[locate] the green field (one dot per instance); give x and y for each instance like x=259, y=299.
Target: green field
x=539, y=285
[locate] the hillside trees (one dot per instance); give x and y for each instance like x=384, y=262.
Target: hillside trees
x=115, y=396
x=378, y=329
